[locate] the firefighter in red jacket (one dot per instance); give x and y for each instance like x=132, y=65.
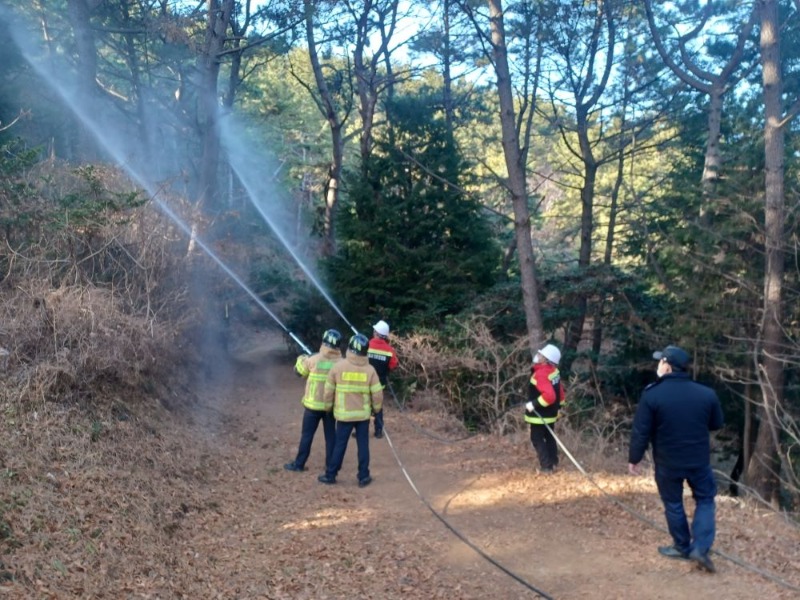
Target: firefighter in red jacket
x=384, y=359
x=545, y=397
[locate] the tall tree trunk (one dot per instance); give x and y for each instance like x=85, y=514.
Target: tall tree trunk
x=365, y=83
x=515, y=164
x=234, y=77
x=763, y=470
x=239, y=30
x=332, y=189
x=80, y=13
x=390, y=80
x=447, y=78
x=139, y=92
x=574, y=332
x=587, y=91
x=328, y=108
x=712, y=164
x=715, y=85
x=380, y=17
x=218, y=18
x=597, y=332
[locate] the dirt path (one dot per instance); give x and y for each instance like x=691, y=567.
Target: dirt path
x=163, y=504
x=275, y=534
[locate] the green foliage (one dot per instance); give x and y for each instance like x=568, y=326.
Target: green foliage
x=413, y=247
x=88, y=205
x=309, y=315
x=96, y=431
x=15, y=158
x=95, y=205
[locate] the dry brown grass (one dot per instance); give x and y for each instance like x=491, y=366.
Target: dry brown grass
x=95, y=490
x=93, y=294
x=480, y=376
x=74, y=339
x=94, y=316
x=475, y=377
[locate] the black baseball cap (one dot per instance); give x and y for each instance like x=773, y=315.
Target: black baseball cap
x=677, y=357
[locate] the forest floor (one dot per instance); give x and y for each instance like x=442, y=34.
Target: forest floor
x=196, y=505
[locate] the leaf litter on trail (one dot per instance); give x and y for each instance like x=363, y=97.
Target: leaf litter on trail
x=161, y=508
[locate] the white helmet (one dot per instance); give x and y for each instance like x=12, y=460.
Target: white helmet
x=551, y=353
x=381, y=328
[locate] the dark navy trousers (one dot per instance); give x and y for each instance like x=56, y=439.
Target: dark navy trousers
x=670, y=487
x=311, y=419
x=343, y=431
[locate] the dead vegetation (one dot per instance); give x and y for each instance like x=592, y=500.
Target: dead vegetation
x=94, y=287
x=477, y=378
x=105, y=493
x=93, y=321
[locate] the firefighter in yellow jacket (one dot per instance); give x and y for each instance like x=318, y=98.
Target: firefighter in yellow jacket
x=356, y=392
x=315, y=368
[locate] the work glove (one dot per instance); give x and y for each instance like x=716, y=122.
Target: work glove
x=529, y=406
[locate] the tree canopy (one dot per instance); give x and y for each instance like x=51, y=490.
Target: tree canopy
x=613, y=176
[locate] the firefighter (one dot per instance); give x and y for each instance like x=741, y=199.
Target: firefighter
x=384, y=358
x=315, y=368
x=545, y=396
x=354, y=389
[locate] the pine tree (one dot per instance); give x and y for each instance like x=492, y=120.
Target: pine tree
x=413, y=245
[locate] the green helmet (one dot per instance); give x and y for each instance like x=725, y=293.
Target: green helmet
x=359, y=344
x=332, y=338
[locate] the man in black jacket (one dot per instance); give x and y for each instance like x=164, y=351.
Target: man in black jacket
x=676, y=414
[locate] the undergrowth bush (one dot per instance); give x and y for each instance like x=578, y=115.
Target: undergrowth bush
x=93, y=288
x=466, y=371
x=75, y=339
x=477, y=377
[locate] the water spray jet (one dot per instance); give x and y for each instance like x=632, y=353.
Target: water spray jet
x=243, y=165
x=70, y=99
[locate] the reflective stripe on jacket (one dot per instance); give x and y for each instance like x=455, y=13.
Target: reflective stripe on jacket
x=546, y=392
x=354, y=389
x=316, y=368
x=382, y=356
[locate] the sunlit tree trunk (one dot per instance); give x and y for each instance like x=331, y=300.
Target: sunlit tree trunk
x=380, y=16
x=763, y=470
x=240, y=25
x=574, y=329
x=515, y=164
x=326, y=104
x=695, y=73
x=587, y=90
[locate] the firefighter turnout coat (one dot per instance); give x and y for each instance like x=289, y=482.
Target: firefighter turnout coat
x=383, y=357
x=546, y=392
x=354, y=389
x=316, y=368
